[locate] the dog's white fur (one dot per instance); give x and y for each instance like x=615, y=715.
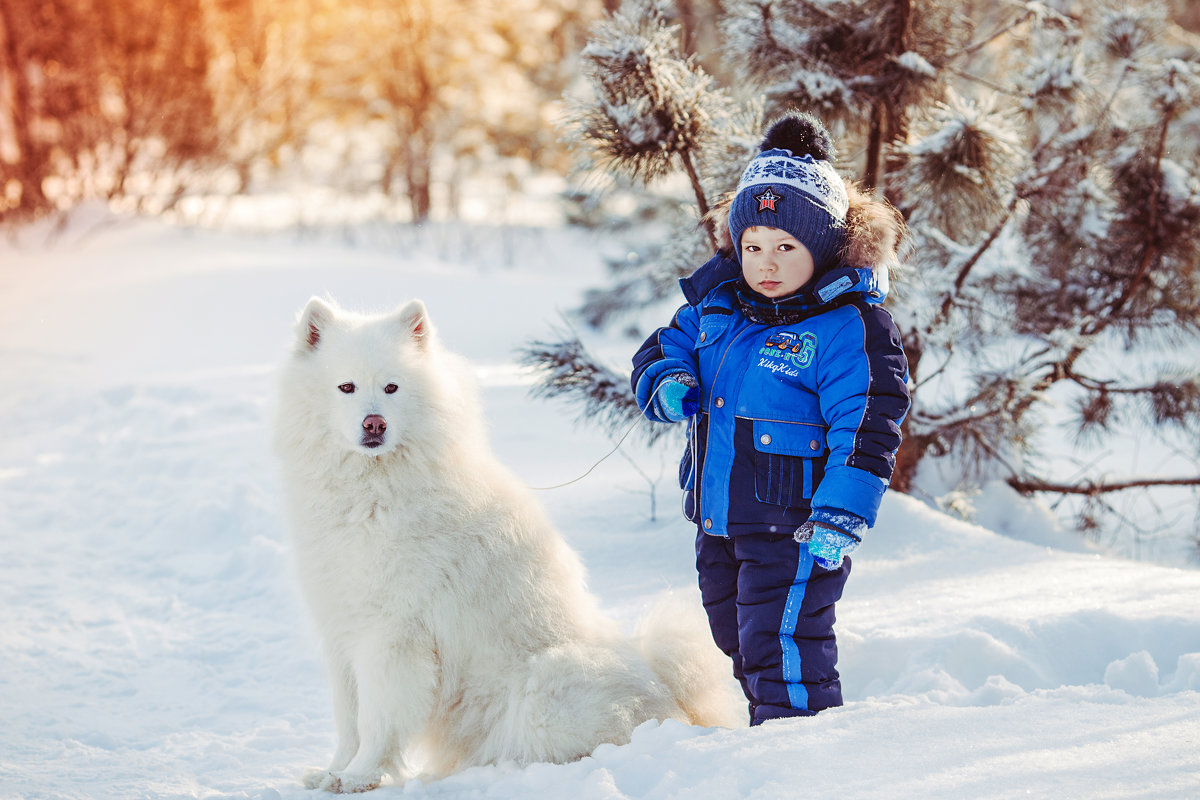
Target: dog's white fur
x=453, y=616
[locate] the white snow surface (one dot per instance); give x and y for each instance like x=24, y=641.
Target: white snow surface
x=152, y=644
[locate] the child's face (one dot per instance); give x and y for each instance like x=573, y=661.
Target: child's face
x=774, y=263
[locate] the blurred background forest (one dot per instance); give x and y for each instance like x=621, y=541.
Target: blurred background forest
x=145, y=102
x=1046, y=155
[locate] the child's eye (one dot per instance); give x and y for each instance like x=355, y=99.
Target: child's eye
x=786, y=247
x=347, y=388
x=390, y=388
x=751, y=248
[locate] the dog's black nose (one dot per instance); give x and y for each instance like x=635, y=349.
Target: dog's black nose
x=374, y=425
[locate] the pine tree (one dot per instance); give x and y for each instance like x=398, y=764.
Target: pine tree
x=1048, y=166
x=1069, y=246
x=655, y=111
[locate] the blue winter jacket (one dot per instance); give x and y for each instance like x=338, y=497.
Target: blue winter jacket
x=798, y=410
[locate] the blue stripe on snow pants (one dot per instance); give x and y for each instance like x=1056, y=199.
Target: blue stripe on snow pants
x=770, y=608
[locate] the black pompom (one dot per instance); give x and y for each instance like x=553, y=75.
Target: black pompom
x=801, y=133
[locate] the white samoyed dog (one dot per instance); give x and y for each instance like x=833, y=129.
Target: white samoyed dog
x=454, y=618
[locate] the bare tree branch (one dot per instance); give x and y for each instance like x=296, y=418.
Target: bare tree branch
x=1093, y=488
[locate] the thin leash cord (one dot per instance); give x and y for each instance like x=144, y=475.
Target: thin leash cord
x=640, y=419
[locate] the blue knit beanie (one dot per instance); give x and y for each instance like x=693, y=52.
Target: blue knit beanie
x=791, y=185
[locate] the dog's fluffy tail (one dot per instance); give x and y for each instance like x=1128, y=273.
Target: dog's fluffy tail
x=675, y=641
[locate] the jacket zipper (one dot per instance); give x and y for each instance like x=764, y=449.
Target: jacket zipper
x=708, y=434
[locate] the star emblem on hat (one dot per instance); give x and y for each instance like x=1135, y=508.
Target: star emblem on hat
x=767, y=200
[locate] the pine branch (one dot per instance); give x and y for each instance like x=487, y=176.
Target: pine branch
x=959, y=170
x=965, y=270
x=984, y=82
x=701, y=200
x=1152, y=248
x=1003, y=30
x=602, y=306
x=1098, y=323
x=976, y=440
x=601, y=395
x=1093, y=488
x=1188, y=382
x=646, y=279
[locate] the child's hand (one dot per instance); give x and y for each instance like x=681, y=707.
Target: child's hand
x=676, y=397
x=831, y=535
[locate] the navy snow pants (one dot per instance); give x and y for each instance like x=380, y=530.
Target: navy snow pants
x=770, y=607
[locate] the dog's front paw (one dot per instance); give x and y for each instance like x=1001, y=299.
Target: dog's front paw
x=346, y=782
x=318, y=779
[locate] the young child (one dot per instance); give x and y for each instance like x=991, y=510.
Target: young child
x=795, y=384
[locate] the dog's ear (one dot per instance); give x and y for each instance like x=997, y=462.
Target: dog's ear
x=314, y=320
x=414, y=321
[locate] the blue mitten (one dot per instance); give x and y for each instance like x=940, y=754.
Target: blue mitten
x=831, y=534
x=676, y=397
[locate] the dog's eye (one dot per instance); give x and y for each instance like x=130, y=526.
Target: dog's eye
x=347, y=388
x=390, y=388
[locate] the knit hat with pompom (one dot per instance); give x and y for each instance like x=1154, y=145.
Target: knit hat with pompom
x=792, y=185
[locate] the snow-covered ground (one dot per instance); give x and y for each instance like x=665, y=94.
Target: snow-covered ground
x=152, y=646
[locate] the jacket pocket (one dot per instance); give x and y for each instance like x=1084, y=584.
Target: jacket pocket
x=789, y=461
x=713, y=325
